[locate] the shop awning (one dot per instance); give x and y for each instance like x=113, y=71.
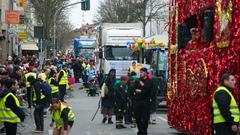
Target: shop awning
x=29, y=47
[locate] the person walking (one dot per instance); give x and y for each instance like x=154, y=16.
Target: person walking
x=10, y=112
x=108, y=96
x=62, y=82
x=39, y=102
x=142, y=104
x=225, y=108
x=120, y=100
x=62, y=117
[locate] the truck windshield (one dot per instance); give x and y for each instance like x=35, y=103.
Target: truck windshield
x=118, y=53
x=87, y=52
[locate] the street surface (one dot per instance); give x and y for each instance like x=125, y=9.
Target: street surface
x=84, y=107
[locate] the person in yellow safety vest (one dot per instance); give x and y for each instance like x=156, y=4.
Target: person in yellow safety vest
x=28, y=86
x=62, y=117
x=53, y=84
x=133, y=68
x=225, y=108
x=62, y=82
x=43, y=75
x=10, y=112
x=39, y=102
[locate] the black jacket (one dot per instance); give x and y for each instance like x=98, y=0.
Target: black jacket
x=54, y=82
x=223, y=100
x=145, y=95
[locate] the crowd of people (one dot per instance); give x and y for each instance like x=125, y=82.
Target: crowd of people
x=26, y=84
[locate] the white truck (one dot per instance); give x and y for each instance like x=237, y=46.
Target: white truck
x=114, y=53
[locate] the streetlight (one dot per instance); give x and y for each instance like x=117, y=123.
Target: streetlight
x=54, y=24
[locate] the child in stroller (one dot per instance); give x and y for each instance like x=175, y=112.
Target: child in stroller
x=92, y=83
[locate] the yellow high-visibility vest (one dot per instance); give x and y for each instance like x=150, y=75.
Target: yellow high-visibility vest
x=6, y=114
x=42, y=76
x=57, y=116
x=64, y=78
x=26, y=77
x=217, y=116
x=54, y=88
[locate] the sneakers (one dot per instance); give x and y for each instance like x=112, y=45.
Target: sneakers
x=37, y=131
x=104, y=120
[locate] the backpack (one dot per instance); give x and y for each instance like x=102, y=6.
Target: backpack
x=46, y=89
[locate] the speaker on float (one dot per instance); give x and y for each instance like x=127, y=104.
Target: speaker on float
x=208, y=22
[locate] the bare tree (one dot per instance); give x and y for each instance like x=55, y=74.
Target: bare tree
x=65, y=34
x=44, y=12
x=114, y=11
x=120, y=11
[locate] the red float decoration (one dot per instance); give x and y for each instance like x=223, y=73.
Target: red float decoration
x=193, y=76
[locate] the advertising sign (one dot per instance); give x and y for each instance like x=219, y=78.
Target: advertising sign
x=120, y=66
x=12, y=17
x=22, y=36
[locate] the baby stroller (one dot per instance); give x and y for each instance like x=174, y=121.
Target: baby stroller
x=92, y=83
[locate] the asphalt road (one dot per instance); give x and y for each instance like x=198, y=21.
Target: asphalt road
x=84, y=108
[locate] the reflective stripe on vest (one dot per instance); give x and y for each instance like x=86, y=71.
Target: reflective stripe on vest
x=26, y=77
x=6, y=114
x=64, y=78
x=217, y=116
x=35, y=97
x=57, y=116
x=42, y=76
x=54, y=88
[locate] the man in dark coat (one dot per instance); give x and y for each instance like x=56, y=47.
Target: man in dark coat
x=225, y=108
x=142, y=101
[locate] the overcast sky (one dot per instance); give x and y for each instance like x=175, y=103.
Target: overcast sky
x=78, y=17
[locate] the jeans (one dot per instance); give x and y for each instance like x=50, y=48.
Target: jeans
x=142, y=114
x=38, y=117
x=11, y=128
x=62, y=91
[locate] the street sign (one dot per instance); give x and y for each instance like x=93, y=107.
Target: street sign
x=22, y=36
x=12, y=17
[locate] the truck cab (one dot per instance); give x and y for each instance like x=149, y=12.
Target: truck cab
x=113, y=40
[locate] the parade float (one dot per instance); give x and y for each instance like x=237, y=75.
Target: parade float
x=195, y=74
x=156, y=57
